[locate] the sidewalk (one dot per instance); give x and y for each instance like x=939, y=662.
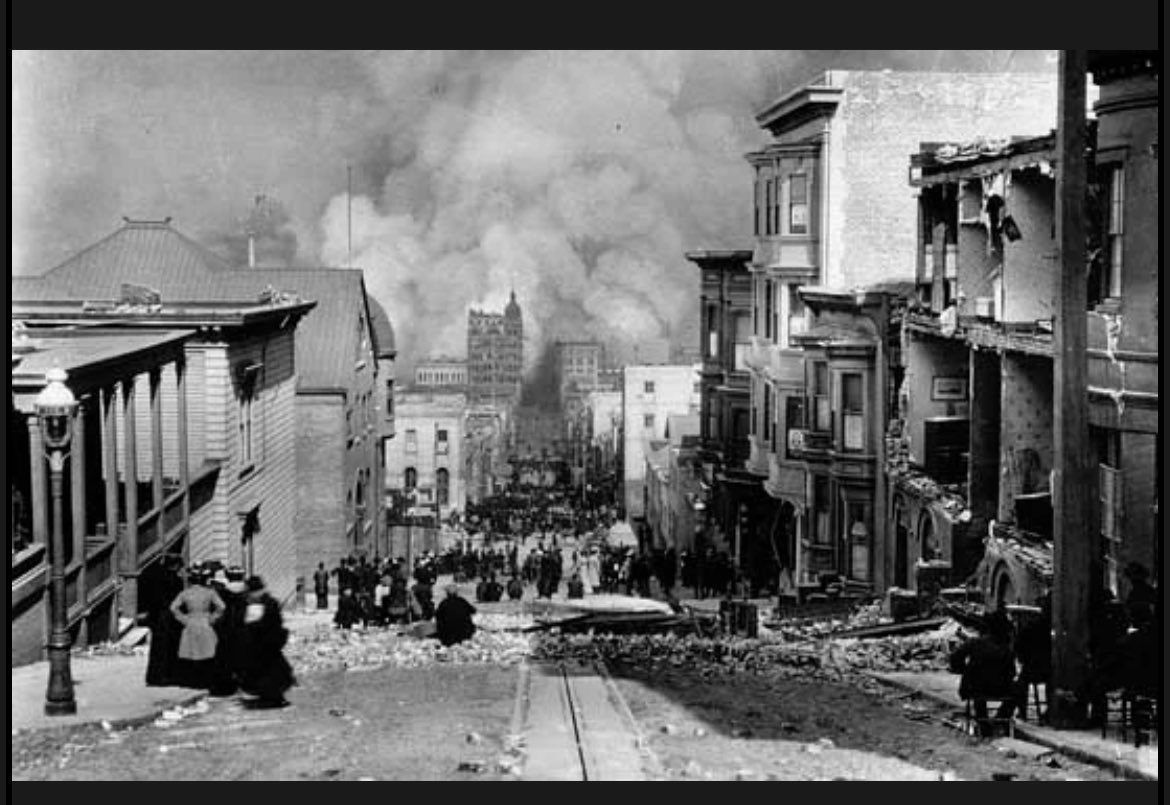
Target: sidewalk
x=112, y=687
x=1088, y=746
x=106, y=688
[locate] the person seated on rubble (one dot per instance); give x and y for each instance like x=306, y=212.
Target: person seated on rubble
x=493, y=591
x=988, y=670
x=576, y=586
x=453, y=621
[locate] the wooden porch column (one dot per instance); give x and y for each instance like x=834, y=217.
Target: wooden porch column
x=129, y=567
x=39, y=486
x=156, y=449
x=77, y=496
x=110, y=443
x=184, y=470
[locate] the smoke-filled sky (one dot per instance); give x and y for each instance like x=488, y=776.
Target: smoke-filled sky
x=577, y=178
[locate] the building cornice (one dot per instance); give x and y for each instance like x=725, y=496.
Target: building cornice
x=800, y=106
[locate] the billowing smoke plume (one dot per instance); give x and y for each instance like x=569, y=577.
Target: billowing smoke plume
x=577, y=179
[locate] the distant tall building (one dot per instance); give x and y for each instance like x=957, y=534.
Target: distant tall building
x=578, y=368
x=495, y=352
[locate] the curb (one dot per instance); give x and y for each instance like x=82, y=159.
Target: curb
x=1023, y=730
x=125, y=722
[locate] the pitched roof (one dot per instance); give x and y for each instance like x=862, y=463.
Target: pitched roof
x=157, y=255
x=144, y=252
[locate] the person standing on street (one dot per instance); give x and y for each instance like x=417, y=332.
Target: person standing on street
x=266, y=674
x=229, y=633
x=161, y=667
x=593, y=571
x=197, y=608
x=321, y=586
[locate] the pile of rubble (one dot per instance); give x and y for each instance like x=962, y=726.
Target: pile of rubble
x=498, y=640
x=803, y=647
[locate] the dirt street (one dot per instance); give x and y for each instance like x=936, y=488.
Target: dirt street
x=444, y=722
x=784, y=727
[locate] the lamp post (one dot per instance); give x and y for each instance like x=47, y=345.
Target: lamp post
x=55, y=406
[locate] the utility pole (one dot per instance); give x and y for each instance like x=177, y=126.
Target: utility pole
x=1075, y=537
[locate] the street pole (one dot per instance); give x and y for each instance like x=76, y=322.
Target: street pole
x=1075, y=538
x=55, y=406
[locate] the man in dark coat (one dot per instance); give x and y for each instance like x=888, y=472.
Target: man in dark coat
x=988, y=670
x=669, y=571
x=265, y=674
x=321, y=586
x=515, y=588
x=425, y=598
x=453, y=623
x=349, y=611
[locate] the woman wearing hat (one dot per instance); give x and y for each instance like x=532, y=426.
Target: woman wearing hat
x=197, y=608
x=160, y=589
x=266, y=673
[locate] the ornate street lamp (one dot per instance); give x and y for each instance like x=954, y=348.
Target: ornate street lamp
x=55, y=406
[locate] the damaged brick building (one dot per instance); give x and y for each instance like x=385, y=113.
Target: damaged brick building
x=971, y=451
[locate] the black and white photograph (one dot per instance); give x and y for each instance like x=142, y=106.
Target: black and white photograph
x=585, y=415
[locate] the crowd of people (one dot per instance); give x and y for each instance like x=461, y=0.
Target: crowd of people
x=1007, y=659
x=221, y=632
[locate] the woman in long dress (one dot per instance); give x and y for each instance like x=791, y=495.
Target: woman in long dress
x=164, y=629
x=266, y=675
x=197, y=608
